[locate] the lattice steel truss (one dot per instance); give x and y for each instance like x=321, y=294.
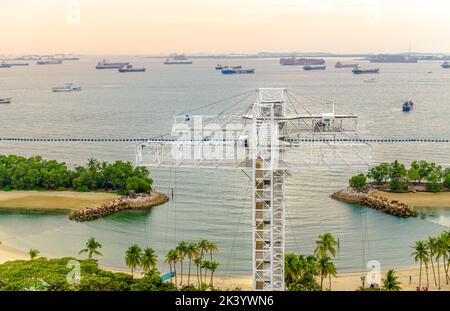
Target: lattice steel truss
x=270, y=137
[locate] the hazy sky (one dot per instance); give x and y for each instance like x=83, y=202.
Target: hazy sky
x=215, y=26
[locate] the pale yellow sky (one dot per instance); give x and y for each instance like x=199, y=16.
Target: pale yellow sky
x=216, y=26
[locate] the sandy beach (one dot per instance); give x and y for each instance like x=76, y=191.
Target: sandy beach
x=53, y=200
x=344, y=282
x=420, y=200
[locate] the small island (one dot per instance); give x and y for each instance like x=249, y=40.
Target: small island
x=88, y=192
x=394, y=189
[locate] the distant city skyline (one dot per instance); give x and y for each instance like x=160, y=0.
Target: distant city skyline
x=215, y=27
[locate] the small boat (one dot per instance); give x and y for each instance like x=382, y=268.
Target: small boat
x=342, y=65
x=446, y=65
x=219, y=67
x=407, y=105
x=105, y=65
x=130, y=68
x=42, y=61
x=68, y=87
x=237, y=71
x=5, y=100
x=358, y=71
x=309, y=67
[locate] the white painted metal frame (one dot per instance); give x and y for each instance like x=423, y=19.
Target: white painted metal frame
x=269, y=142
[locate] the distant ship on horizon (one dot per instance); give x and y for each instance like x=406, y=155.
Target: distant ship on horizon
x=358, y=71
x=42, y=61
x=343, y=65
x=446, y=65
x=386, y=58
x=177, y=59
x=105, y=65
x=293, y=61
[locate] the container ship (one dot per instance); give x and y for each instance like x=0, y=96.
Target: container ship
x=293, y=61
x=343, y=65
x=105, y=65
x=177, y=60
x=384, y=58
x=309, y=67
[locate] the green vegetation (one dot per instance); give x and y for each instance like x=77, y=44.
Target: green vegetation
x=433, y=251
x=358, y=182
x=36, y=173
x=133, y=257
x=92, y=247
x=52, y=274
x=301, y=273
x=391, y=283
x=195, y=253
x=399, y=178
x=34, y=253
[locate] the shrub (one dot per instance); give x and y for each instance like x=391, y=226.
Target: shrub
x=358, y=182
x=398, y=185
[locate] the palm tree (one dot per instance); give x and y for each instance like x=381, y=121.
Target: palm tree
x=391, y=283
x=325, y=244
x=442, y=250
x=326, y=268
x=198, y=263
x=133, y=257
x=181, y=249
x=191, y=252
x=203, y=247
x=172, y=258
x=149, y=259
x=212, y=248
x=213, y=267
x=421, y=255
x=33, y=253
x=92, y=247
x=431, y=246
x=206, y=264
x=291, y=268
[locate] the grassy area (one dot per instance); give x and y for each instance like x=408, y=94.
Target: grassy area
x=420, y=199
x=53, y=200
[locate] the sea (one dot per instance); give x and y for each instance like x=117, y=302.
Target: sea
x=216, y=204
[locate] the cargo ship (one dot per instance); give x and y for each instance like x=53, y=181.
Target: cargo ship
x=309, y=67
x=130, y=68
x=293, y=61
x=5, y=65
x=445, y=65
x=42, y=61
x=342, y=65
x=237, y=71
x=177, y=60
x=19, y=64
x=105, y=65
x=358, y=71
x=385, y=58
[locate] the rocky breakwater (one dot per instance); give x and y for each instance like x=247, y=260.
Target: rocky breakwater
x=138, y=201
x=368, y=198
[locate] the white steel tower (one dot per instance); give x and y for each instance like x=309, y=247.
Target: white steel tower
x=269, y=137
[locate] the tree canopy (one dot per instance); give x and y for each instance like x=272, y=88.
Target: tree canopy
x=36, y=173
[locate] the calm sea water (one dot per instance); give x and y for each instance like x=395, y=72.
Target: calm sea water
x=215, y=204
